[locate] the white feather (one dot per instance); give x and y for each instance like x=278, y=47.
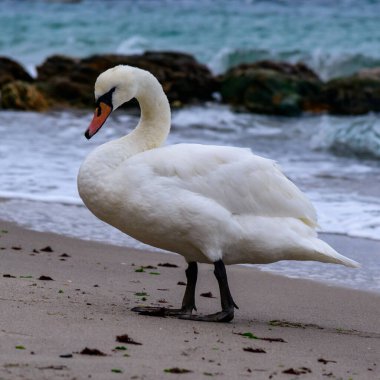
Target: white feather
x=203, y=202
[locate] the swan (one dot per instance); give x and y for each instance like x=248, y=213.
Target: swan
x=210, y=204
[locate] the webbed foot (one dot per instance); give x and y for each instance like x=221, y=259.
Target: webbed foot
x=221, y=316
x=161, y=311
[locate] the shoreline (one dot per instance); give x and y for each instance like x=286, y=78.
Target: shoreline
x=328, y=331
x=339, y=276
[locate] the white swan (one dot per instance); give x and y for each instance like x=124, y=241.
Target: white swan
x=211, y=204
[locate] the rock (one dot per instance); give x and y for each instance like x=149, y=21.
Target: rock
x=373, y=73
x=11, y=71
x=354, y=95
x=22, y=96
x=274, y=88
x=56, y=66
x=70, y=81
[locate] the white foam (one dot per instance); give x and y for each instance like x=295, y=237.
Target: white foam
x=46, y=198
x=351, y=215
x=133, y=45
x=356, y=135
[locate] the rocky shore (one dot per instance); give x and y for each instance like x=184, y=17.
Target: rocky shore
x=265, y=87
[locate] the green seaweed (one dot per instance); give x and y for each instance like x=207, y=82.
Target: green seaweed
x=116, y=370
x=141, y=294
x=20, y=348
x=249, y=335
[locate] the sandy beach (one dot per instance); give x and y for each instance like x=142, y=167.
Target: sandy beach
x=319, y=331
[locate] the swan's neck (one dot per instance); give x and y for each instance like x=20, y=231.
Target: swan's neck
x=154, y=125
x=151, y=132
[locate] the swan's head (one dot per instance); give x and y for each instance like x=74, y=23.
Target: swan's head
x=113, y=88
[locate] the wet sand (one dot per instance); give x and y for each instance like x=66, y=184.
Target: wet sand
x=327, y=332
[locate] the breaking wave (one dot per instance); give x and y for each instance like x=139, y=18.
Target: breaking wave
x=359, y=136
x=327, y=64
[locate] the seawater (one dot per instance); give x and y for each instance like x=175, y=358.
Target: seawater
x=333, y=37
x=335, y=160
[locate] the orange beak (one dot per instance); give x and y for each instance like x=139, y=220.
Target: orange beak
x=101, y=114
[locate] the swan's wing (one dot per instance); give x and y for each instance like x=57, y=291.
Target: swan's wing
x=238, y=180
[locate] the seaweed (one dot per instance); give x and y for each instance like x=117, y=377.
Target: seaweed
x=66, y=356
x=45, y=278
x=168, y=265
x=252, y=336
x=125, y=338
x=325, y=361
x=47, y=249
x=207, y=295
x=92, y=352
x=141, y=294
x=177, y=370
x=297, y=371
x=254, y=350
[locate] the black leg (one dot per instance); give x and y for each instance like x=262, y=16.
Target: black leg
x=226, y=299
x=227, y=302
x=188, y=303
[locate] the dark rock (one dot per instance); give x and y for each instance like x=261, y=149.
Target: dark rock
x=56, y=66
x=11, y=71
x=70, y=81
x=22, y=96
x=275, y=88
x=354, y=95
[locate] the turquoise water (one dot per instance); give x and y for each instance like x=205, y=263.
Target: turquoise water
x=335, y=38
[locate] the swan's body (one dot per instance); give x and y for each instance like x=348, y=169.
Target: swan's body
x=207, y=203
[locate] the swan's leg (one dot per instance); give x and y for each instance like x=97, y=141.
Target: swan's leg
x=227, y=302
x=188, y=303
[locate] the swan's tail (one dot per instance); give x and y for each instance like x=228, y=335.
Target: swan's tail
x=323, y=252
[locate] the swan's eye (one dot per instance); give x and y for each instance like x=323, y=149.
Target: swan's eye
x=106, y=98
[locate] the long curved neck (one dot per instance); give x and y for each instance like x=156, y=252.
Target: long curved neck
x=151, y=132
x=154, y=125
